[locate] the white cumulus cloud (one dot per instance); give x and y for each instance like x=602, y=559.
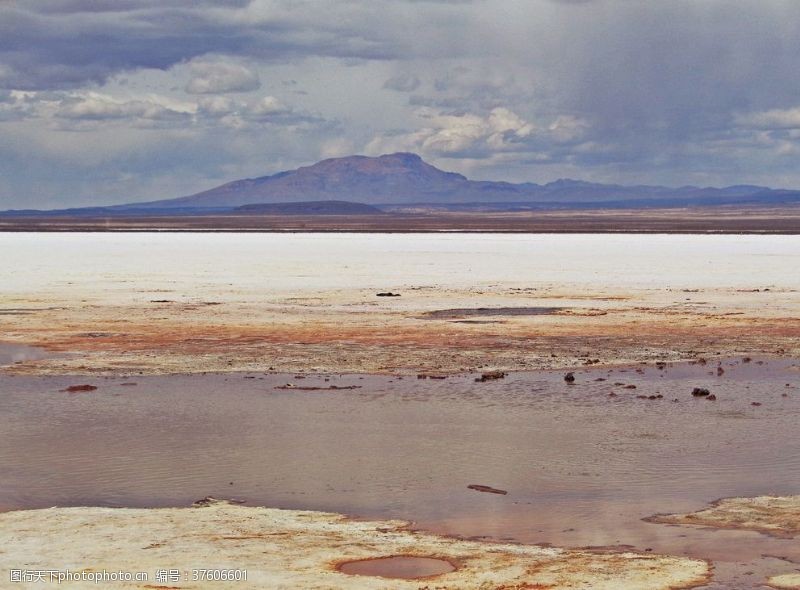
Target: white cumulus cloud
x=500, y=130
x=221, y=77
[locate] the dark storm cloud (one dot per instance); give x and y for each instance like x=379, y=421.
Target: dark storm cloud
x=66, y=44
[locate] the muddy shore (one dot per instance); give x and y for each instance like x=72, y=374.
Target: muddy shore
x=286, y=549
x=727, y=219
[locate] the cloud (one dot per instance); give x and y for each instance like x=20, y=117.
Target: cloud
x=96, y=107
x=216, y=106
x=402, y=83
x=221, y=77
x=267, y=106
x=466, y=134
x=568, y=128
x=772, y=119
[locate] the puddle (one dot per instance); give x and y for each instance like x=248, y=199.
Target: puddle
x=460, y=313
x=405, y=567
x=17, y=353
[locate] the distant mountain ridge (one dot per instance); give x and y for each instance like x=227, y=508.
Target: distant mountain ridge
x=405, y=181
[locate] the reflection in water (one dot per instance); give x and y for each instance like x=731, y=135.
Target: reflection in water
x=17, y=353
x=581, y=467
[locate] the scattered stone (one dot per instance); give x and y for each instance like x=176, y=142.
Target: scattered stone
x=746, y=359
x=387, y=294
x=569, y=377
x=491, y=376
x=313, y=388
x=79, y=388
x=712, y=398
x=755, y=403
x=486, y=489
x=630, y=386
x=720, y=371
x=700, y=392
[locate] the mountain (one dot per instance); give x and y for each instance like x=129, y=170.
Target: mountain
x=393, y=178
x=401, y=180
x=404, y=181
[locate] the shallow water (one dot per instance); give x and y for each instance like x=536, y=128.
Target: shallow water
x=398, y=566
x=581, y=468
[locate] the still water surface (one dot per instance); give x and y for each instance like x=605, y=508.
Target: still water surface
x=580, y=467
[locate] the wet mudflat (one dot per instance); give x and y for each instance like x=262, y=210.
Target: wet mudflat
x=187, y=303
x=583, y=462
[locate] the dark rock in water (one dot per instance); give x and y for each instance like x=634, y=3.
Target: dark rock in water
x=755, y=403
x=79, y=388
x=712, y=398
x=700, y=392
x=720, y=371
x=317, y=388
x=487, y=489
x=387, y=294
x=569, y=377
x=491, y=376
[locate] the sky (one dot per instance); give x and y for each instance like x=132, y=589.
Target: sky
x=114, y=101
